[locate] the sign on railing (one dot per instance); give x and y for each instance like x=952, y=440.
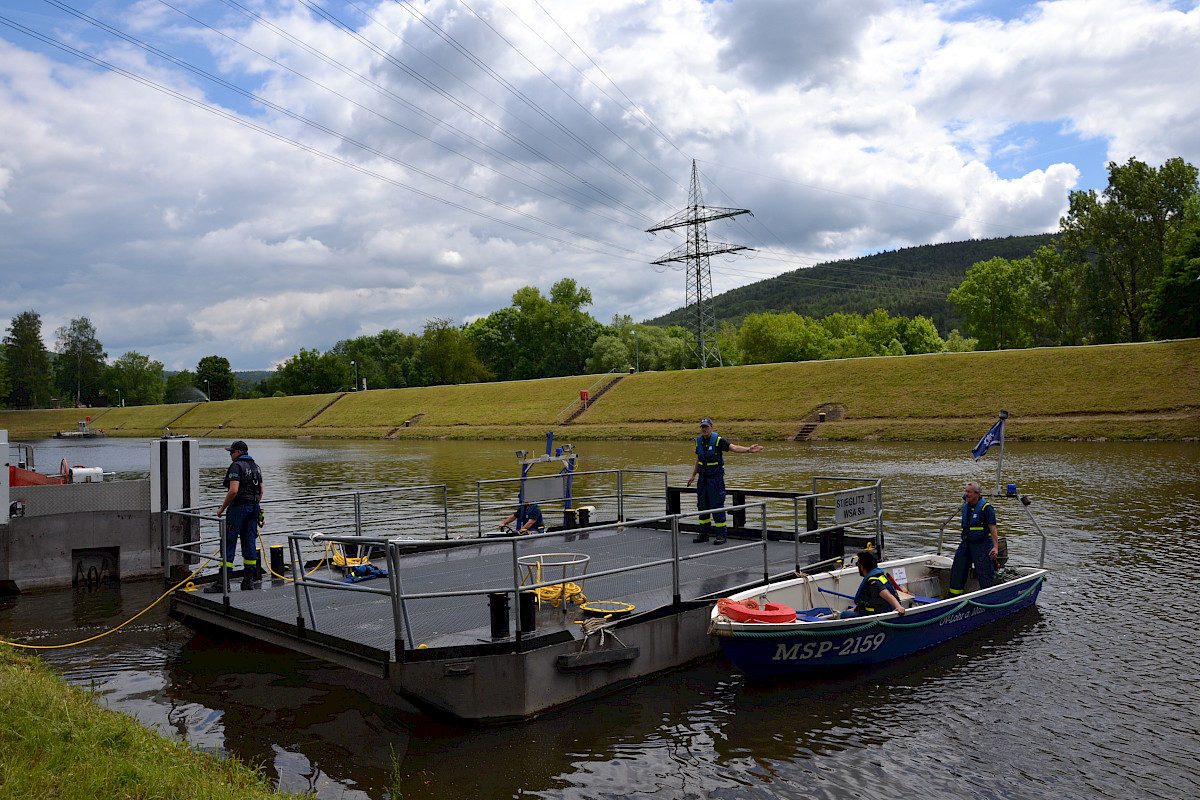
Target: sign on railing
x=544, y=489
x=854, y=505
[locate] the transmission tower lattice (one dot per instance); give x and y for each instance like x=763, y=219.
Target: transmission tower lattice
x=694, y=254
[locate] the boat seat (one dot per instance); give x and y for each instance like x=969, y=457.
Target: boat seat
x=814, y=614
x=908, y=600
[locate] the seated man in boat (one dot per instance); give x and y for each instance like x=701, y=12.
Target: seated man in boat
x=980, y=543
x=528, y=517
x=874, y=595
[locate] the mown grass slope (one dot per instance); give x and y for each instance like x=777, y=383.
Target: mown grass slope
x=1129, y=391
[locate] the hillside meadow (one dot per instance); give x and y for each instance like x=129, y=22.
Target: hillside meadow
x=1126, y=391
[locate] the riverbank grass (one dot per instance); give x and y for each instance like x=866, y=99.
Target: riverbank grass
x=56, y=742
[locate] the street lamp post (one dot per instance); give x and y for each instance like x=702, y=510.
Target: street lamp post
x=637, y=359
x=207, y=390
x=120, y=399
x=355, y=365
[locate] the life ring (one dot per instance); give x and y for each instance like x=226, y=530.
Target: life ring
x=749, y=610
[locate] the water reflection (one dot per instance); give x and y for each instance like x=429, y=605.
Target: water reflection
x=1063, y=701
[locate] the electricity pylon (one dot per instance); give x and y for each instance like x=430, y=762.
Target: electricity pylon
x=702, y=318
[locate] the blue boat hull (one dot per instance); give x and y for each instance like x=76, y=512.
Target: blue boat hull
x=773, y=651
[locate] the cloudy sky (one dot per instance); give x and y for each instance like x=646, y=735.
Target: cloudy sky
x=247, y=178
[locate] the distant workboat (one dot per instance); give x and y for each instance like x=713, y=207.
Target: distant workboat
x=83, y=431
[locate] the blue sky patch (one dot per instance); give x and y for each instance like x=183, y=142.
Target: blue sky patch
x=1027, y=146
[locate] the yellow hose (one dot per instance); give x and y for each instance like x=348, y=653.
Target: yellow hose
x=122, y=625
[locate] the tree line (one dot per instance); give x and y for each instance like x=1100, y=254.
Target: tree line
x=1125, y=267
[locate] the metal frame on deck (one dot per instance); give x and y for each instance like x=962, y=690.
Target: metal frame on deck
x=397, y=548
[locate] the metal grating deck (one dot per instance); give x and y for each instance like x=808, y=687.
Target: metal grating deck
x=356, y=620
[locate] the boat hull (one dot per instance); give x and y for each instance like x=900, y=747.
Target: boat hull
x=778, y=650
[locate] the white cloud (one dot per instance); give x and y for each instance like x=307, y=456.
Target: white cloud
x=435, y=188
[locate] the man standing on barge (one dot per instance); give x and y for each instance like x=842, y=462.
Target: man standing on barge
x=244, y=491
x=710, y=467
x=978, y=524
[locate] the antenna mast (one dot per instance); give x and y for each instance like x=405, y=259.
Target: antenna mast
x=694, y=255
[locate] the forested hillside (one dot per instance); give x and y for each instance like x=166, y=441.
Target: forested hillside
x=906, y=282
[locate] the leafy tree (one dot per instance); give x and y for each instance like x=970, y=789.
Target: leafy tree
x=310, y=372
x=79, y=365
x=555, y=334
x=538, y=336
x=215, y=378
x=841, y=325
x=850, y=347
x=1123, y=239
x=996, y=300
x=771, y=338
x=609, y=352
x=5, y=383
x=844, y=339
x=496, y=342
x=137, y=380
x=919, y=335
x=879, y=330
x=449, y=354
x=28, y=362
x=1058, y=299
x=379, y=358
x=1173, y=307
x=957, y=343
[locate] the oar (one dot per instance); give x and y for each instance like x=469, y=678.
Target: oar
x=839, y=594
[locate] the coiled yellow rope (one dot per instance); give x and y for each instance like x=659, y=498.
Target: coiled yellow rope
x=558, y=593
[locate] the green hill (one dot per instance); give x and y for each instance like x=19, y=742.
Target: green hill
x=1126, y=391
x=906, y=282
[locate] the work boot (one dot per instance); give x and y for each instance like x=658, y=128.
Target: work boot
x=700, y=539
x=720, y=540
x=216, y=587
x=249, y=583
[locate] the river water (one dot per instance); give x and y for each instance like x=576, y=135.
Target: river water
x=1092, y=694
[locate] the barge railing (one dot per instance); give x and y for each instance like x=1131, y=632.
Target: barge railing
x=404, y=634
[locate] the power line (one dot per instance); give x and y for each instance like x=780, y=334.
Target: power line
x=232, y=117
x=401, y=101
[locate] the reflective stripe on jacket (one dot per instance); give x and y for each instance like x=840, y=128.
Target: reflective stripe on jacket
x=708, y=455
x=974, y=521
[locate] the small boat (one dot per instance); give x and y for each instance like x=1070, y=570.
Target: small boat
x=83, y=430
x=21, y=471
x=819, y=637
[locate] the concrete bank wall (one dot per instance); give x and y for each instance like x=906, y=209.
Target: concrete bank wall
x=78, y=534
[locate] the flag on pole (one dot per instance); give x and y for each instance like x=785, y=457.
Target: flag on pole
x=994, y=436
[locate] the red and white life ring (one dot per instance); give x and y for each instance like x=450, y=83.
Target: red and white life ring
x=749, y=610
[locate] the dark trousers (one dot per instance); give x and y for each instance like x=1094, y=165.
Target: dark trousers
x=241, y=524
x=968, y=554
x=710, y=495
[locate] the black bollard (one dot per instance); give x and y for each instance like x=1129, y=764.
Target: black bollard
x=498, y=606
x=527, y=606
x=276, y=563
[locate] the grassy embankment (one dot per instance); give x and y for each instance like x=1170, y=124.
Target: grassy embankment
x=1130, y=391
x=56, y=742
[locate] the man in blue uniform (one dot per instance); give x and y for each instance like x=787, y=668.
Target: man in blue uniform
x=980, y=543
x=244, y=491
x=528, y=518
x=874, y=595
x=710, y=468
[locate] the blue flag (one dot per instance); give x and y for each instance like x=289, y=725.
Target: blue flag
x=992, y=437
